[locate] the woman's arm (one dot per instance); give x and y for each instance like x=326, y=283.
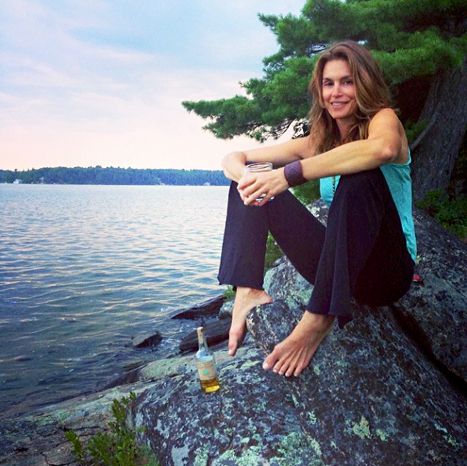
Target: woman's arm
x=279, y=154
x=386, y=143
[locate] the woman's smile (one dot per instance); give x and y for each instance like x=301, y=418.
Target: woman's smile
x=339, y=104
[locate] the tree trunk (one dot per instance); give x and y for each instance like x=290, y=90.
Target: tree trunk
x=436, y=149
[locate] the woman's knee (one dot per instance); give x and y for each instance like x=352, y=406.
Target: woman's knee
x=361, y=181
x=362, y=186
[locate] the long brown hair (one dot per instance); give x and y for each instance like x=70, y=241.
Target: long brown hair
x=372, y=94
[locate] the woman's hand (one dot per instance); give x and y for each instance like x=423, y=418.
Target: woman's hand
x=252, y=186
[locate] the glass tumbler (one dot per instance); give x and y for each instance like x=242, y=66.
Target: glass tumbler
x=259, y=167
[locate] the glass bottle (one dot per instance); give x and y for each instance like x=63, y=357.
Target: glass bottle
x=206, y=364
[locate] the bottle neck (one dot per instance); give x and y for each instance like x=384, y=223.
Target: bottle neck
x=201, y=338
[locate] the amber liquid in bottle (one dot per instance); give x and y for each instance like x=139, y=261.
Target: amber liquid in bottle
x=206, y=365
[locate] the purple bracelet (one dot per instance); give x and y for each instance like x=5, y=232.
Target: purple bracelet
x=293, y=173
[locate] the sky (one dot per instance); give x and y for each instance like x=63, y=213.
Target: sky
x=100, y=82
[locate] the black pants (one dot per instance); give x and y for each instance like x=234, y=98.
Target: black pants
x=361, y=253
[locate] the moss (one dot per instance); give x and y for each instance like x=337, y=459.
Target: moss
x=167, y=367
x=229, y=293
x=316, y=446
x=362, y=429
x=447, y=436
x=294, y=447
x=202, y=456
x=250, y=457
x=342, y=363
x=298, y=294
x=311, y=416
x=249, y=363
x=382, y=435
x=451, y=440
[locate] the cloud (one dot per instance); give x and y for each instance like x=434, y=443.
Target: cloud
x=87, y=83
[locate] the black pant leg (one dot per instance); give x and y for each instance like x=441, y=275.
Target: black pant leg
x=388, y=272
x=299, y=234
x=244, y=244
x=363, y=224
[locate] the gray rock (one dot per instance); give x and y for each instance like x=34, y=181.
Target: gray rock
x=367, y=398
x=147, y=340
x=238, y=425
x=225, y=311
x=372, y=394
x=39, y=439
x=435, y=313
x=216, y=331
x=206, y=309
x=432, y=314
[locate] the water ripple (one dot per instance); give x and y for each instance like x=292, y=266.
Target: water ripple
x=85, y=268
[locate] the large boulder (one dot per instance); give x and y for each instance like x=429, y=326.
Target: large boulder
x=387, y=389
x=367, y=398
x=432, y=313
x=239, y=424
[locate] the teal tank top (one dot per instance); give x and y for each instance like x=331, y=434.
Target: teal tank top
x=398, y=178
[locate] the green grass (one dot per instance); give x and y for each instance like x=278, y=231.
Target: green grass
x=307, y=192
x=116, y=447
x=273, y=252
x=450, y=212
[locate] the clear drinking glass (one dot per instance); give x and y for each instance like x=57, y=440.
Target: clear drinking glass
x=259, y=167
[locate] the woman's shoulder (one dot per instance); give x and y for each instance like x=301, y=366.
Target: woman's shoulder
x=386, y=122
x=384, y=114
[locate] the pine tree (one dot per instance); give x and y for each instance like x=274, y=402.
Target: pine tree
x=421, y=46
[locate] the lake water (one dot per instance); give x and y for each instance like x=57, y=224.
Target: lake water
x=83, y=269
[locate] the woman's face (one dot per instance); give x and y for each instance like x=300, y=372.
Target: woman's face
x=338, y=91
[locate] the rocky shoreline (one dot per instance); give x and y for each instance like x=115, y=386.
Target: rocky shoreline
x=388, y=389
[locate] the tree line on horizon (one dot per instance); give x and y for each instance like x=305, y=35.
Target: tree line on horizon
x=115, y=176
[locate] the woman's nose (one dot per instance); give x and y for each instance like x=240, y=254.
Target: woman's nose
x=336, y=90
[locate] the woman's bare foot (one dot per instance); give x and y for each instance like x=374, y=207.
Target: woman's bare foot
x=293, y=354
x=245, y=300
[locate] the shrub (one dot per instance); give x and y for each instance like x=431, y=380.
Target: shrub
x=451, y=213
x=117, y=447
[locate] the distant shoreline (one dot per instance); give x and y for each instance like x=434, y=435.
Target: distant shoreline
x=115, y=176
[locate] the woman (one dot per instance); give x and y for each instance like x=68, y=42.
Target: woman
x=358, y=149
